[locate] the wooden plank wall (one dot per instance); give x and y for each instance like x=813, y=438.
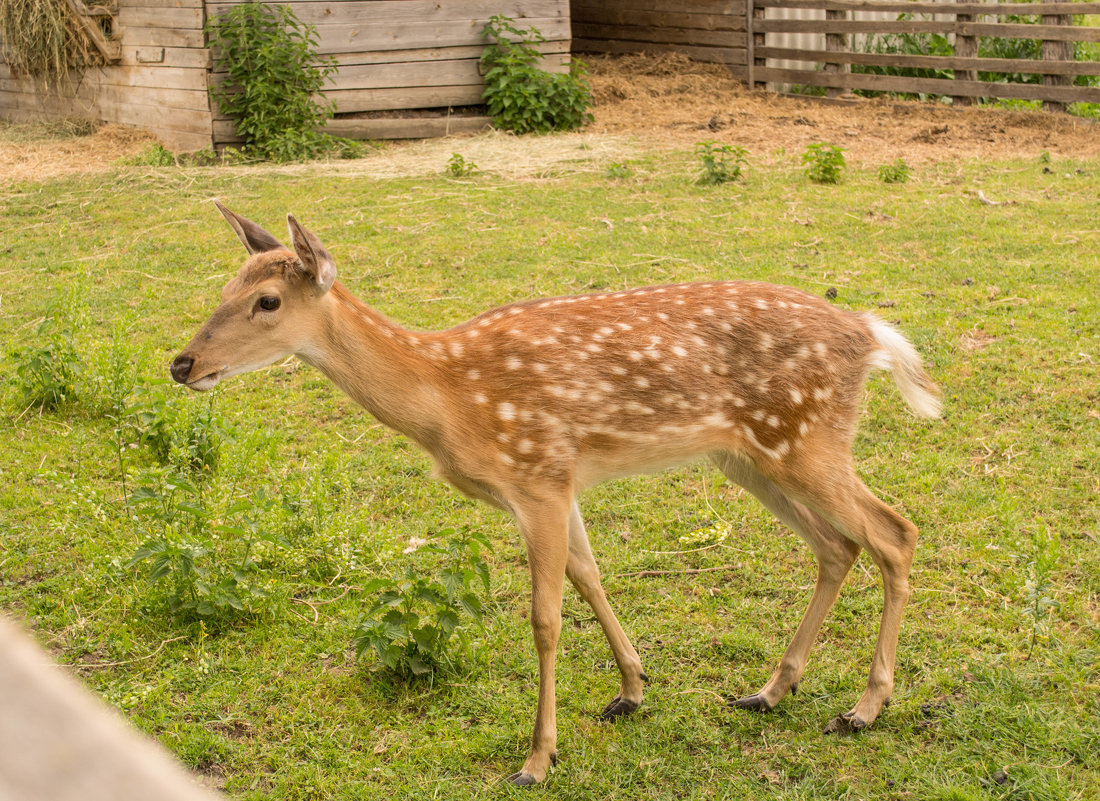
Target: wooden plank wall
x=399, y=56
x=705, y=30
x=160, y=83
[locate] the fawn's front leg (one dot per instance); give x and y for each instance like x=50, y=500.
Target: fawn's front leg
x=545, y=531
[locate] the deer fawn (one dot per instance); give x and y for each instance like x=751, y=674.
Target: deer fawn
x=525, y=405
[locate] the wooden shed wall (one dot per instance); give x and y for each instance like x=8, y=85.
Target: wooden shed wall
x=397, y=56
x=160, y=83
x=705, y=30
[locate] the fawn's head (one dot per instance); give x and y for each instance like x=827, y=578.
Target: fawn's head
x=267, y=312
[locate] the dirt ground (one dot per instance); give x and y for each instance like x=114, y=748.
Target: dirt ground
x=647, y=103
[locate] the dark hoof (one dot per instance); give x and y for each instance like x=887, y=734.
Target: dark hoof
x=756, y=702
x=617, y=708
x=846, y=723
x=521, y=780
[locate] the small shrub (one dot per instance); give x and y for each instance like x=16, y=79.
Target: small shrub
x=415, y=622
x=721, y=163
x=153, y=155
x=824, y=163
x=186, y=436
x=180, y=557
x=48, y=370
x=274, y=81
x=896, y=173
x=520, y=96
x=458, y=167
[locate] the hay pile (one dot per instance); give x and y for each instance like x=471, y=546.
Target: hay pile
x=43, y=39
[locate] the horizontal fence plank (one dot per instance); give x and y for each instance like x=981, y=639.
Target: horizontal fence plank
x=916, y=7
x=355, y=12
x=463, y=72
x=550, y=49
x=1054, y=33
x=1032, y=66
x=164, y=3
x=167, y=18
x=405, y=35
x=723, y=7
x=405, y=98
x=139, y=36
x=658, y=19
x=938, y=86
x=191, y=57
x=732, y=57
x=634, y=33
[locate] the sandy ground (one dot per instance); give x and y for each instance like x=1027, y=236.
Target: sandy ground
x=646, y=104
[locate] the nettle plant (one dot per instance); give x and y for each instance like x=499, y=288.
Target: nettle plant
x=273, y=82
x=416, y=622
x=520, y=96
x=721, y=163
x=824, y=163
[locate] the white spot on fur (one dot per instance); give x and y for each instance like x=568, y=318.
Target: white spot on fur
x=524, y=446
x=796, y=396
x=679, y=351
x=480, y=398
x=456, y=349
x=506, y=411
x=513, y=363
x=473, y=375
x=641, y=382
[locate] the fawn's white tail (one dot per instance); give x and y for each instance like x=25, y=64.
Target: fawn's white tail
x=901, y=359
x=525, y=405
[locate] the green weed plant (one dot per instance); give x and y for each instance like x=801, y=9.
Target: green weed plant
x=721, y=163
x=823, y=163
x=415, y=625
x=274, y=80
x=524, y=98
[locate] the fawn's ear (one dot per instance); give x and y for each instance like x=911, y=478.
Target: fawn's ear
x=317, y=261
x=254, y=238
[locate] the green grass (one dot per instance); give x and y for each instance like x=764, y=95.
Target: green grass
x=1002, y=300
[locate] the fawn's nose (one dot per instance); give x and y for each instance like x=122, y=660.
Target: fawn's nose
x=181, y=368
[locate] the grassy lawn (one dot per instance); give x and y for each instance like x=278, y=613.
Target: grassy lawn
x=998, y=678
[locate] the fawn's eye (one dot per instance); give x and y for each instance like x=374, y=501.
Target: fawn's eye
x=269, y=303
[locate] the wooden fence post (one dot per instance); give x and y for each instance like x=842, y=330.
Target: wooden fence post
x=1056, y=51
x=758, y=39
x=966, y=46
x=835, y=42
x=750, y=46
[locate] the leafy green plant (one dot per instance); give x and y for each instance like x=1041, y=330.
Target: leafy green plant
x=188, y=436
x=823, y=163
x=273, y=82
x=896, y=173
x=48, y=370
x=180, y=555
x=153, y=155
x=520, y=96
x=459, y=167
x=414, y=622
x=721, y=163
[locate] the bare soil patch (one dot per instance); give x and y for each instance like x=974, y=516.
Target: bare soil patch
x=653, y=103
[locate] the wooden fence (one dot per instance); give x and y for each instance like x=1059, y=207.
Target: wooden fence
x=848, y=21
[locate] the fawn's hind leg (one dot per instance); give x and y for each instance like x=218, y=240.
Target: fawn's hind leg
x=835, y=555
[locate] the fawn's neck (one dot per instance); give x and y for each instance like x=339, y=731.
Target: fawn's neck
x=375, y=362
